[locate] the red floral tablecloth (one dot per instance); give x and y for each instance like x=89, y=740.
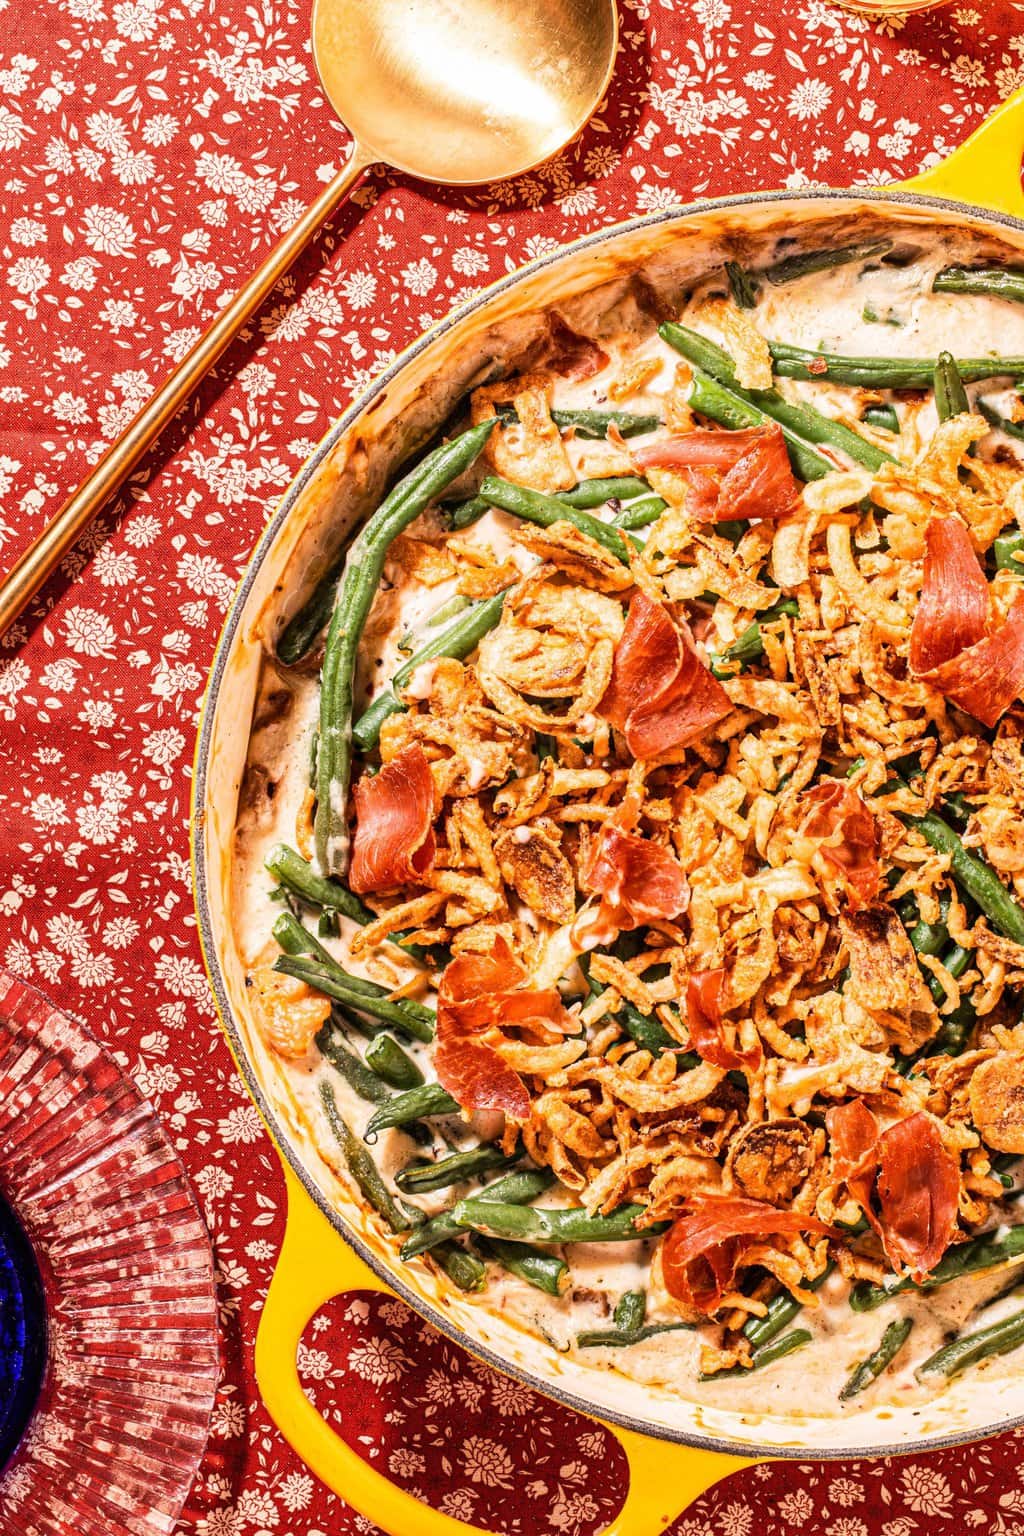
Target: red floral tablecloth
x=150, y=151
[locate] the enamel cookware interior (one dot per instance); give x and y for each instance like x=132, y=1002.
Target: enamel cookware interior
x=675, y=1448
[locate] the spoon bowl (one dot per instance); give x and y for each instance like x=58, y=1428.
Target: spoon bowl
x=457, y=91
x=464, y=91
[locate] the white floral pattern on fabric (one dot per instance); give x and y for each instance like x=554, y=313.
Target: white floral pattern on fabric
x=151, y=151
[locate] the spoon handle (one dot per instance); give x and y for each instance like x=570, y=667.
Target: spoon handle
x=43, y=555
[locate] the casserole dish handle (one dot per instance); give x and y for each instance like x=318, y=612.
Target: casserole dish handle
x=986, y=168
x=316, y=1265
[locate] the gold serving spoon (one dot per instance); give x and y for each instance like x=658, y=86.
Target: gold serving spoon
x=456, y=91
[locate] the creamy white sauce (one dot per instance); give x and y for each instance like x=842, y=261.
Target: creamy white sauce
x=824, y=311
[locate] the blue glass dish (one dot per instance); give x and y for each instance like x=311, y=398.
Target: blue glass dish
x=22, y=1332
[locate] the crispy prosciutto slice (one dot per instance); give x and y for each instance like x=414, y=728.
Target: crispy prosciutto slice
x=638, y=881
x=706, y=1025
x=985, y=679
x=953, y=612
x=914, y=1179
x=756, y=478
x=918, y=1192
x=953, y=644
x=849, y=837
x=703, y=1249
x=661, y=695
x=481, y=996
x=394, y=840
x=853, y=1143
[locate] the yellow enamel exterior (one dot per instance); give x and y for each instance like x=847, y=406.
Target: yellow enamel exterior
x=317, y=1264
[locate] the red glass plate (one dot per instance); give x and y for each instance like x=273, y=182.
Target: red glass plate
x=132, y=1365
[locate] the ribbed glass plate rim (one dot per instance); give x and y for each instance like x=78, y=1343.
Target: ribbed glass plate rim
x=134, y=1358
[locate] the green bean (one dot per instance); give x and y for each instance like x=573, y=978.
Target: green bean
x=955, y=1033
x=732, y=529
x=417, y=1178
x=402, y=1013
x=463, y=1268
x=973, y=874
x=327, y=925
x=514, y=1189
x=410, y=1012
x=545, y=747
x=361, y=1165
x=781, y=1311
x=971, y=1348
x=629, y=1327
x=985, y=1251
x=299, y=877
x=1007, y=549
x=391, y=1063
x=869, y=1369
x=456, y=639
x=591, y=423
x=956, y=959
x=883, y=416
x=805, y=262
x=641, y=513
x=544, y=1270
x=594, y=493
x=802, y=425
x=355, y=1072
x=741, y=285
x=562, y=1225
x=354, y=1023
x=928, y=938
x=449, y=610
x=644, y=1029
x=732, y=410
x=992, y=282
x=610, y=1338
x=361, y=1079
x=465, y=513
x=596, y=423
x=884, y=372
x=950, y=396
x=543, y=510
x=356, y=592
x=417, y=1104
x=299, y=633
x=295, y=940
x=1000, y=423
x=766, y=1355
x=750, y=645
x=630, y=1311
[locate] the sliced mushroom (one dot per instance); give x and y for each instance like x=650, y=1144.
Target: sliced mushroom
x=533, y=864
x=770, y=1161
x=997, y=1102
